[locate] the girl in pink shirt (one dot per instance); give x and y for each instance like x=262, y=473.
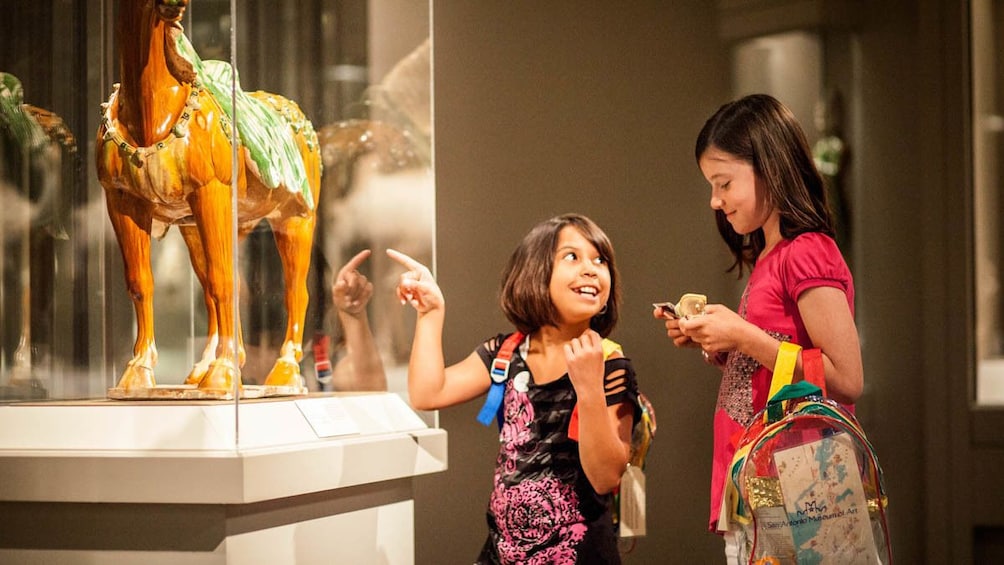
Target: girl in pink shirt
x=770, y=206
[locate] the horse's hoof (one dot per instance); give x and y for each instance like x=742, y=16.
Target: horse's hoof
x=198, y=373
x=220, y=377
x=284, y=373
x=137, y=376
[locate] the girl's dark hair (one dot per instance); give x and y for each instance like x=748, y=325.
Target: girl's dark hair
x=762, y=131
x=526, y=296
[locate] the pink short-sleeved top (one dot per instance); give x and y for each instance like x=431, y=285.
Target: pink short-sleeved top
x=770, y=302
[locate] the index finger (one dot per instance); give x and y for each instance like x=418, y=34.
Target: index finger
x=404, y=260
x=354, y=262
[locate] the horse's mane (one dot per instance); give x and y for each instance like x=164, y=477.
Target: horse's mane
x=179, y=67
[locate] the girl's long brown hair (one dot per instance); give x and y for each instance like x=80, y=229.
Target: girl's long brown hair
x=763, y=132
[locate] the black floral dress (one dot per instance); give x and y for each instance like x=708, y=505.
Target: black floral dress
x=543, y=510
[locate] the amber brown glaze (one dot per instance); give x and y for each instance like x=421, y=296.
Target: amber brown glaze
x=164, y=179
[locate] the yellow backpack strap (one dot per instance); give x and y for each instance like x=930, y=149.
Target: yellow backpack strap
x=784, y=366
x=610, y=347
x=784, y=372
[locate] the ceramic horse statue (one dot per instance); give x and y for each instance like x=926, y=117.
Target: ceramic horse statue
x=165, y=157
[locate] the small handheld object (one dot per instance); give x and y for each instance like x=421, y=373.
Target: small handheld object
x=667, y=308
x=690, y=304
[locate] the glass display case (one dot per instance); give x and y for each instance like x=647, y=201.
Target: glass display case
x=988, y=187
x=186, y=292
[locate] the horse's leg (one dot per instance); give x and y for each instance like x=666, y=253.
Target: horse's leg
x=199, y=264
x=293, y=238
x=214, y=220
x=131, y=220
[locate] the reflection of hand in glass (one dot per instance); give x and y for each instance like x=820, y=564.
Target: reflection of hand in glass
x=361, y=368
x=352, y=290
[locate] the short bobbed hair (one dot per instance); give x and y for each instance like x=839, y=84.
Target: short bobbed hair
x=525, y=295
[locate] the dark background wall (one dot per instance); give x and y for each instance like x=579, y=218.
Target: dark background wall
x=548, y=107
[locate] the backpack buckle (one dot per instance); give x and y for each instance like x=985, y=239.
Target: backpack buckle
x=500, y=370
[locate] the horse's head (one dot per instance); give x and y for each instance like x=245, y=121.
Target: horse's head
x=138, y=16
x=171, y=11
x=149, y=60
x=137, y=22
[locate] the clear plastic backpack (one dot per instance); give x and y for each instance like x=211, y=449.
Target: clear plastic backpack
x=805, y=486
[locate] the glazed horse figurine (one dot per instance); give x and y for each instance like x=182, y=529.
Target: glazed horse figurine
x=165, y=157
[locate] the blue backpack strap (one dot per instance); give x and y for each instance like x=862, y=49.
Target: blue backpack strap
x=499, y=372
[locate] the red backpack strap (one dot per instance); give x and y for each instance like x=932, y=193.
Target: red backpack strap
x=499, y=372
x=812, y=368
x=573, y=424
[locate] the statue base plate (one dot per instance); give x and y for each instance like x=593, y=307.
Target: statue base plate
x=192, y=392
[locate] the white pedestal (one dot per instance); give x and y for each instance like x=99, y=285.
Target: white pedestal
x=321, y=479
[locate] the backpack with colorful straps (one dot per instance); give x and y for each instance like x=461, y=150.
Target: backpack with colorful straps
x=629, y=507
x=805, y=485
